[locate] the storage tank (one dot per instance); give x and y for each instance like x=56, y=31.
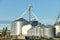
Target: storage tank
x=34, y=31
x=37, y=30
x=57, y=26
x=29, y=33
x=25, y=28
x=16, y=28
x=42, y=26
x=49, y=31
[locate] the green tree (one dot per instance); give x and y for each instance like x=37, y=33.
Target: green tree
x=4, y=31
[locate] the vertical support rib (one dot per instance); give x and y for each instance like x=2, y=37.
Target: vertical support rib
x=57, y=18
x=30, y=17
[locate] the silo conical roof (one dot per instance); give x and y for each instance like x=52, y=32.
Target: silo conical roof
x=25, y=22
x=50, y=26
x=58, y=23
x=21, y=19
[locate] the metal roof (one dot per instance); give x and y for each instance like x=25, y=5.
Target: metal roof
x=58, y=23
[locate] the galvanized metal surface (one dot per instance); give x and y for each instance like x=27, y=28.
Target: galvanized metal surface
x=57, y=26
x=41, y=31
x=16, y=28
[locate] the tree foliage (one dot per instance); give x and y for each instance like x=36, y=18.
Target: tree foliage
x=4, y=31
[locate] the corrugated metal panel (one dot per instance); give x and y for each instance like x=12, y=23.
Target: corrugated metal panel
x=49, y=31
x=44, y=31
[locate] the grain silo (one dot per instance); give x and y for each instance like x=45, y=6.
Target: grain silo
x=36, y=31
x=49, y=31
x=25, y=28
x=57, y=26
x=16, y=28
x=29, y=33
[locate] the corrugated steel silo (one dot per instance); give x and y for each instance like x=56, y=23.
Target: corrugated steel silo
x=29, y=33
x=16, y=28
x=49, y=31
x=25, y=29
x=57, y=26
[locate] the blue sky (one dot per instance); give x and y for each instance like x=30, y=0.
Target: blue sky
x=45, y=10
